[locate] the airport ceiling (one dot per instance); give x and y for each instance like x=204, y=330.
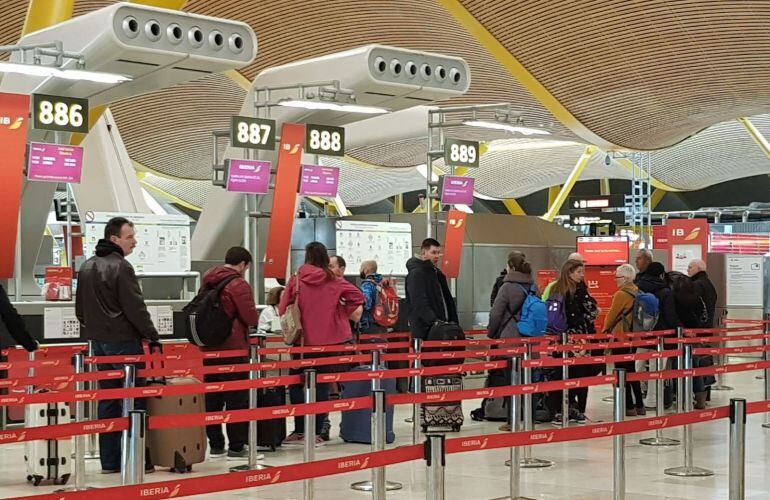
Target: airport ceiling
x=670, y=76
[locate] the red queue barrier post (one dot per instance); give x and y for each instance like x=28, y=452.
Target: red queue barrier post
x=565, y=377
x=435, y=459
x=688, y=469
x=737, y=473
x=79, y=462
x=514, y=416
x=766, y=357
x=378, y=484
x=417, y=388
x=660, y=410
x=619, y=440
x=527, y=462
x=308, y=485
x=721, y=360
x=254, y=456
x=92, y=451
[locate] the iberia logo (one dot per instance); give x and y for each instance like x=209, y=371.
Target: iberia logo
x=693, y=234
x=21, y=437
x=175, y=491
x=12, y=124
x=291, y=149
x=456, y=223
x=276, y=477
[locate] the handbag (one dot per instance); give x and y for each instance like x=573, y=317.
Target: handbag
x=291, y=320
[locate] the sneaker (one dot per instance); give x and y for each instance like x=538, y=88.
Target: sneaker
x=294, y=439
x=110, y=471
x=325, y=430
x=149, y=470
x=241, y=454
x=505, y=428
x=641, y=411
x=631, y=412
x=319, y=441
x=579, y=418
x=556, y=420
x=217, y=452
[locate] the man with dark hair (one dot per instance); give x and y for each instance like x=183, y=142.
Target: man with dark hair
x=337, y=264
x=110, y=308
x=237, y=301
x=427, y=291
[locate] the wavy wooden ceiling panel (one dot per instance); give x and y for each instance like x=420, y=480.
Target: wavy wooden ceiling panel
x=295, y=30
x=12, y=14
x=665, y=69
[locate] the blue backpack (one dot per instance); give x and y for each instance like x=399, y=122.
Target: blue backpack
x=557, y=316
x=645, y=311
x=534, y=318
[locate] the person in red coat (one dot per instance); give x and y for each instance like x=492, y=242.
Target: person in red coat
x=237, y=301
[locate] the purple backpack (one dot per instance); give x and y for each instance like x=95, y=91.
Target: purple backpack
x=557, y=317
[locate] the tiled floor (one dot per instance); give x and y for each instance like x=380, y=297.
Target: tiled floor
x=583, y=469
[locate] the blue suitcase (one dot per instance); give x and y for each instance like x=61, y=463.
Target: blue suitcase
x=356, y=425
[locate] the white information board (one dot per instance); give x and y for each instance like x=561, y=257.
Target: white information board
x=683, y=255
x=744, y=280
x=389, y=243
x=162, y=318
x=163, y=241
x=60, y=323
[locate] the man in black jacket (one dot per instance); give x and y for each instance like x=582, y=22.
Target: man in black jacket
x=15, y=324
x=704, y=288
x=427, y=291
x=112, y=314
x=651, y=281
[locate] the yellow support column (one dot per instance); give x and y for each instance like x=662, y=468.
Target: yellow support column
x=604, y=187
x=163, y=4
x=655, y=198
x=513, y=207
x=398, y=204
x=554, y=208
x=755, y=134
x=45, y=13
x=553, y=192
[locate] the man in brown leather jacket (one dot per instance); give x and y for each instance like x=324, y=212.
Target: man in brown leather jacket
x=112, y=314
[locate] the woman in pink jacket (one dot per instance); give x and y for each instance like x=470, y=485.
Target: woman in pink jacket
x=327, y=304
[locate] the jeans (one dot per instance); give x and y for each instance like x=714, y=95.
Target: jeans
x=634, y=398
x=110, y=442
x=297, y=396
x=237, y=433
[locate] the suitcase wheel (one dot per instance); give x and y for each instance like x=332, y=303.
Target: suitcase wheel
x=64, y=479
x=36, y=480
x=189, y=468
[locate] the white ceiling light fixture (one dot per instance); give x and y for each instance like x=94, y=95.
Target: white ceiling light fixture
x=67, y=74
x=47, y=60
x=332, y=106
x=508, y=127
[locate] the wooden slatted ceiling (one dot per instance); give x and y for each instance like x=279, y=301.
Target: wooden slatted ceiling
x=644, y=74
x=12, y=15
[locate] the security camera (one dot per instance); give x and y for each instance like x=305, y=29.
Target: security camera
x=608, y=159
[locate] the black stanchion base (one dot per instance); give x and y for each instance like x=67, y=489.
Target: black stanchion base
x=245, y=467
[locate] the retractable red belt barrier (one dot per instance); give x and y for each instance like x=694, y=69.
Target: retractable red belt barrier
x=737, y=329
x=728, y=321
x=63, y=430
x=385, y=336
x=729, y=350
x=732, y=338
x=697, y=372
x=593, y=347
x=61, y=381
x=248, y=479
x=599, y=360
x=464, y=343
x=510, y=439
x=381, y=346
x=633, y=335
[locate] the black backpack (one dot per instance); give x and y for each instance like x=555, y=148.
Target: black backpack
x=206, y=324
x=444, y=330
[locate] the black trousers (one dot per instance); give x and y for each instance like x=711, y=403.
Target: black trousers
x=237, y=433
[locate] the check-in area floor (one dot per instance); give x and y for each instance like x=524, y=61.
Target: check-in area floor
x=583, y=469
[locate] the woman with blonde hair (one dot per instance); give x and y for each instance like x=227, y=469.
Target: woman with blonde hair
x=618, y=322
x=269, y=320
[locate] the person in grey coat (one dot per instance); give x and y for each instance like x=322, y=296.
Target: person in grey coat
x=506, y=310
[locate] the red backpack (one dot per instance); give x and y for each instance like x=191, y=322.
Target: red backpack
x=385, y=309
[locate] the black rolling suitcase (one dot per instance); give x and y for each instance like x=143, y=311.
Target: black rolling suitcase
x=271, y=433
